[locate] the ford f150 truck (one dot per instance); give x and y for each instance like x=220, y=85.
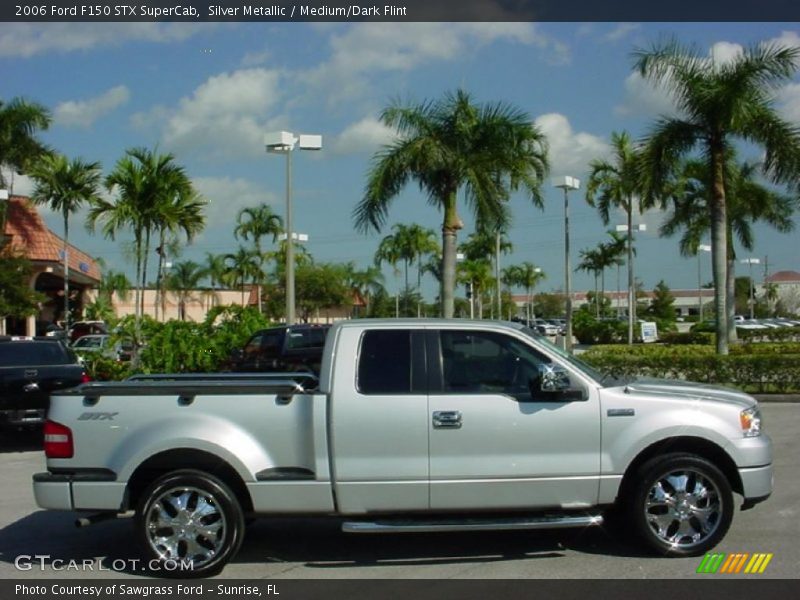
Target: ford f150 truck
x=416, y=425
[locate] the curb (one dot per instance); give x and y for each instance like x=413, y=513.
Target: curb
x=778, y=398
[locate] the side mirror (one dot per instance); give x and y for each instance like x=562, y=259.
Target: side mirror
x=553, y=380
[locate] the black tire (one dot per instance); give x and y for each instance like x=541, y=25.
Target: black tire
x=189, y=523
x=682, y=505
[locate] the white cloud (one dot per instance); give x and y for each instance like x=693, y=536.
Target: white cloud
x=644, y=98
x=30, y=39
x=82, y=113
x=787, y=38
x=391, y=47
x=570, y=151
x=789, y=102
x=621, y=31
x=225, y=116
x=364, y=136
x=226, y=196
x=722, y=53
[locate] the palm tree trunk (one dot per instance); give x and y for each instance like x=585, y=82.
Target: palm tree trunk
x=730, y=291
x=631, y=291
x=596, y=299
x=160, y=273
x=66, y=272
x=144, y=264
x=719, y=246
x=450, y=229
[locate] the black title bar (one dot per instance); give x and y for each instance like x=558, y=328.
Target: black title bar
x=399, y=10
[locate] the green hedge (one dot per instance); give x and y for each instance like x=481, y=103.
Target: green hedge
x=765, y=370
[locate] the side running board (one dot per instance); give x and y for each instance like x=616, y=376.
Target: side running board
x=472, y=524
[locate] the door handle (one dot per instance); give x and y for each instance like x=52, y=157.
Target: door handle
x=31, y=387
x=447, y=419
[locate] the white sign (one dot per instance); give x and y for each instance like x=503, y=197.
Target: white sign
x=649, y=332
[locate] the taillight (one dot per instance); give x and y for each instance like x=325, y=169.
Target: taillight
x=85, y=377
x=57, y=440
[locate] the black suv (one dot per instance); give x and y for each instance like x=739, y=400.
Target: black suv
x=297, y=348
x=30, y=369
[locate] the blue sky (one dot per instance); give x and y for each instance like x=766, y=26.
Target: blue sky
x=208, y=93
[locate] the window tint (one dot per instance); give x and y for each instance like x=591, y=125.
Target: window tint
x=253, y=345
x=483, y=362
x=384, y=364
x=305, y=338
x=33, y=354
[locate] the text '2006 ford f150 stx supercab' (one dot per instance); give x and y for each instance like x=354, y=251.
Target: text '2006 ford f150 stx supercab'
x=416, y=425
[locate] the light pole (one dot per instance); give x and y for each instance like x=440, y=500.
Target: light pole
x=631, y=280
x=701, y=248
x=531, y=306
x=567, y=183
x=751, y=262
x=284, y=142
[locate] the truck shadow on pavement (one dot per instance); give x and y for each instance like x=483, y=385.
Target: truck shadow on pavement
x=50, y=539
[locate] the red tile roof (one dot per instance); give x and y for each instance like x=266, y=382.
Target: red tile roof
x=784, y=277
x=31, y=237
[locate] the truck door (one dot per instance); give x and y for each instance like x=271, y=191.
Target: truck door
x=496, y=441
x=379, y=421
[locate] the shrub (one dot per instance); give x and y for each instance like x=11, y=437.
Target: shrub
x=688, y=337
x=776, y=371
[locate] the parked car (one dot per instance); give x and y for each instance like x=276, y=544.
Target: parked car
x=100, y=344
x=82, y=328
x=418, y=425
x=544, y=327
x=292, y=348
x=30, y=369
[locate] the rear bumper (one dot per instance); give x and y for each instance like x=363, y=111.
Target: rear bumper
x=78, y=491
x=23, y=416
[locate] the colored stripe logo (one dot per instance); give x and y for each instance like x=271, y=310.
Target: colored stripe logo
x=735, y=563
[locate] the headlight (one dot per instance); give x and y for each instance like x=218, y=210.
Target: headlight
x=750, y=420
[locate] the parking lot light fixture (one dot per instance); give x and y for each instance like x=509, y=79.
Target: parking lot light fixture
x=284, y=142
x=567, y=183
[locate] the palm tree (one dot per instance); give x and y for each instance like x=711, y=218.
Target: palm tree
x=256, y=223
x=214, y=269
x=423, y=243
x=180, y=213
x=243, y=265
x=366, y=282
x=617, y=184
x=488, y=245
x=20, y=121
x=114, y=282
x=747, y=202
x=526, y=276
x=477, y=274
x=592, y=262
x=64, y=186
x=719, y=102
x=615, y=250
x=183, y=280
x=450, y=145
x=393, y=250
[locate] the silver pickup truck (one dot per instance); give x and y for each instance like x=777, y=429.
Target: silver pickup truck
x=416, y=425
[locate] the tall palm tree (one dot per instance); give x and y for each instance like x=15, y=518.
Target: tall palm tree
x=178, y=214
x=20, y=121
x=422, y=241
x=183, y=279
x=255, y=223
x=484, y=244
x=450, y=145
x=718, y=103
x=747, y=202
x=617, y=184
x=64, y=186
x=615, y=250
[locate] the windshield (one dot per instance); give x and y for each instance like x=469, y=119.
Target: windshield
x=584, y=368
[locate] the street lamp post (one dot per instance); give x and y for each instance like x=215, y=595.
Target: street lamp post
x=701, y=248
x=284, y=142
x=567, y=183
x=751, y=262
x=531, y=307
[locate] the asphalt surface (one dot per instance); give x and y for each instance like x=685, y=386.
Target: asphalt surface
x=316, y=549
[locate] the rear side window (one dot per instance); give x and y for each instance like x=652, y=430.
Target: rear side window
x=24, y=354
x=384, y=363
x=305, y=338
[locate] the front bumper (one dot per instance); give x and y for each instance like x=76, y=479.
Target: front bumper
x=757, y=484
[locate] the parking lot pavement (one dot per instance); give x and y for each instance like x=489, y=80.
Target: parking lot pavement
x=316, y=549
